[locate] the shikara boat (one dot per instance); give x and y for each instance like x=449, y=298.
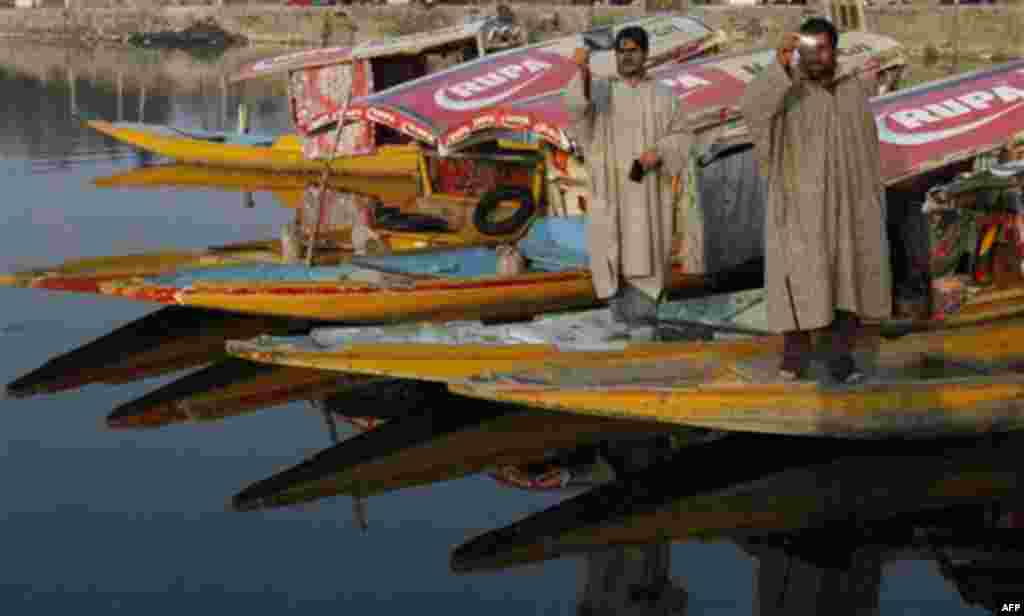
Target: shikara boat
x=753, y=485
x=419, y=219
x=957, y=375
x=464, y=283
x=369, y=149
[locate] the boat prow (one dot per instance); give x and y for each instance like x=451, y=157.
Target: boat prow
x=244, y=151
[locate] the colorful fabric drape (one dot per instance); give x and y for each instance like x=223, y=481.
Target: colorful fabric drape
x=317, y=95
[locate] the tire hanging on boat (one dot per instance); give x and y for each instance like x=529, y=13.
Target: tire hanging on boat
x=489, y=203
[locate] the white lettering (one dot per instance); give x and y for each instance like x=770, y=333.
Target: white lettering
x=692, y=81
x=978, y=100
x=913, y=118
x=1008, y=94
x=512, y=72
x=948, y=108
x=536, y=66
x=490, y=80
x=466, y=89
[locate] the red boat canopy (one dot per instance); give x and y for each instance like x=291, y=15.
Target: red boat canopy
x=518, y=90
x=920, y=128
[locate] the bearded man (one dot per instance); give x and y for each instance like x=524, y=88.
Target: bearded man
x=633, y=145
x=826, y=250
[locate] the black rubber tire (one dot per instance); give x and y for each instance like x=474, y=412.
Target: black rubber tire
x=489, y=202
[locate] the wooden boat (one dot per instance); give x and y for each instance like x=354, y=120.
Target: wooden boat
x=165, y=341
x=230, y=388
x=471, y=352
x=417, y=294
x=315, y=98
x=288, y=188
x=447, y=438
x=242, y=151
x=955, y=375
x=959, y=381
x=89, y=274
x=391, y=288
x=416, y=223
x=792, y=485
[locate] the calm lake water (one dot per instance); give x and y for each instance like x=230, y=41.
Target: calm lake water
x=135, y=522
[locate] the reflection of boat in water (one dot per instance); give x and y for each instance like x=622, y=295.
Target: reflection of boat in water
x=447, y=438
x=288, y=188
x=229, y=388
x=162, y=342
x=793, y=484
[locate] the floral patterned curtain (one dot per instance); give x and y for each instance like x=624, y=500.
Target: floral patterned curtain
x=317, y=95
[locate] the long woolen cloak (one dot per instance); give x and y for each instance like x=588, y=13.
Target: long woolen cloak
x=630, y=224
x=825, y=228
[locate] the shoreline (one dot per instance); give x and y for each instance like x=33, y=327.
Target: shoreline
x=988, y=33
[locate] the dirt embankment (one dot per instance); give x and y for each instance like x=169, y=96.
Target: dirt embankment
x=991, y=30
x=985, y=33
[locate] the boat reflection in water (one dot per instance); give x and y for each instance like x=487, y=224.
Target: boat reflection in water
x=820, y=516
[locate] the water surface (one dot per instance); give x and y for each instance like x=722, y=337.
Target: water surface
x=134, y=522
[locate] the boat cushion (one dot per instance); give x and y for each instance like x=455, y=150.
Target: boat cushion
x=468, y=262
x=202, y=135
x=554, y=244
x=260, y=272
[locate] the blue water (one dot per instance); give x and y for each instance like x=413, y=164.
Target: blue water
x=101, y=521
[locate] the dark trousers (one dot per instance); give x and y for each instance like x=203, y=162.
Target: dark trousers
x=797, y=346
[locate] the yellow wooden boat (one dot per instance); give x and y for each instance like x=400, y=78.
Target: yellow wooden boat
x=753, y=487
x=959, y=382
x=237, y=150
x=415, y=202
x=467, y=352
x=323, y=81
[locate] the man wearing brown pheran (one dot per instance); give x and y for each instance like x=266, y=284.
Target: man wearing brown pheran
x=826, y=251
x=633, y=143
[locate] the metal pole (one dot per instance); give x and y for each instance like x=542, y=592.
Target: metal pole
x=243, y=128
x=358, y=502
x=956, y=37
x=120, y=96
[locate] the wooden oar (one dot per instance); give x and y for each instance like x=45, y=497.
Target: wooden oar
x=326, y=175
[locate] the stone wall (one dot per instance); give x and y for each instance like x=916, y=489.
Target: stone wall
x=991, y=30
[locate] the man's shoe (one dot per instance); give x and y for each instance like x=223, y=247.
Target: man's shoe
x=844, y=370
x=792, y=369
x=634, y=307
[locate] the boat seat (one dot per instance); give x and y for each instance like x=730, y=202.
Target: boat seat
x=255, y=140
x=261, y=272
x=555, y=244
x=551, y=245
x=470, y=262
